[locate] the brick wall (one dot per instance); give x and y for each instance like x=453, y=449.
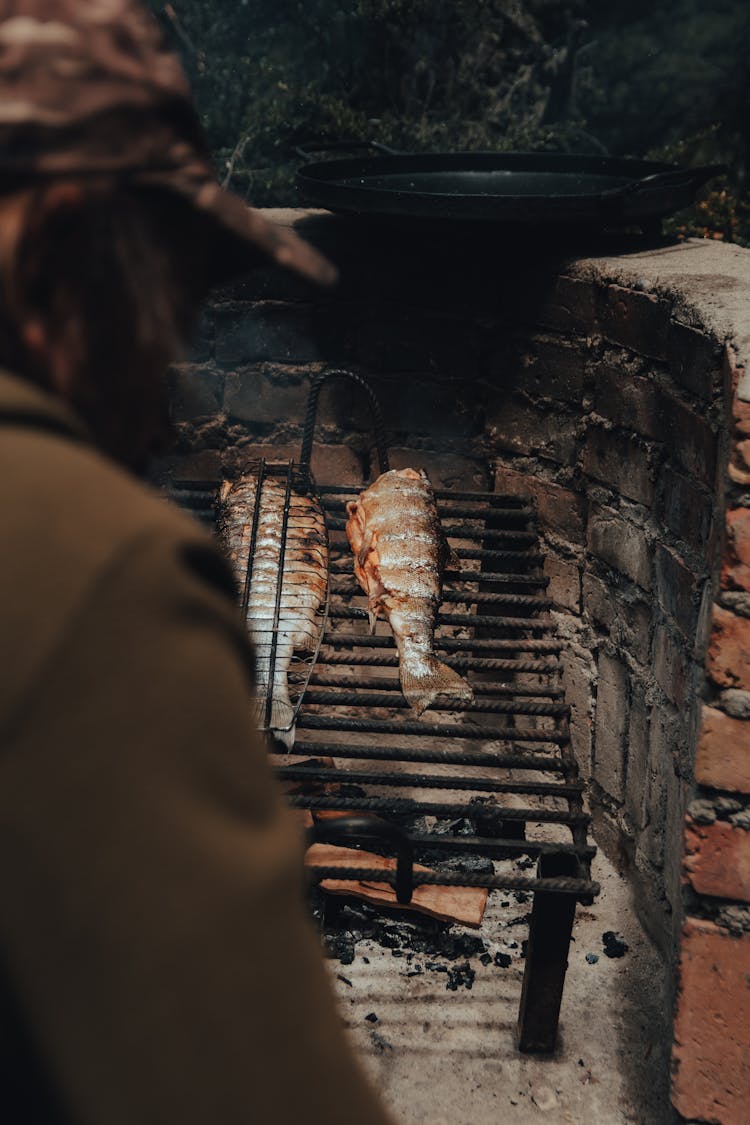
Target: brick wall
x=605, y=389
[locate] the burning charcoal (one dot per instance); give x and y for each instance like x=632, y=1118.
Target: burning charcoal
x=592, y=958
x=503, y=960
x=462, y=827
x=340, y=947
x=435, y=967
x=525, y=863
x=468, y=945
x=614, y=944
x=348, y=790
x=485, y=959
x=371, y=1017
x=466, y=864
x=520, y=896
x=461, y=975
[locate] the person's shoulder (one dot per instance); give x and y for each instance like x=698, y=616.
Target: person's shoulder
x=76, y=523
x=66, y=500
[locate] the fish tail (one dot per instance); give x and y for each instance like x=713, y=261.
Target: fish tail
x=422, y=687
x=282, y=714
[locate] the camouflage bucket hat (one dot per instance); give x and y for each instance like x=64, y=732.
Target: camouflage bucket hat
x=89, y=87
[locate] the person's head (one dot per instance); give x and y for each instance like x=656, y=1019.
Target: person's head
x=99, y=288
x=112, y=223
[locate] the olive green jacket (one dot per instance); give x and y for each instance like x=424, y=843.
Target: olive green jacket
x=156, y=966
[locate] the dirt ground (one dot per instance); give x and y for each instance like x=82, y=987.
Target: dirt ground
x=444, y=1053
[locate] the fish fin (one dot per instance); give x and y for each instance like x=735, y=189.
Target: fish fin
x=365, y=547
x=422, y=689
x=452, y=561
x=226, y=488
x=286, y=737
x=282, y=715
x=372, y=617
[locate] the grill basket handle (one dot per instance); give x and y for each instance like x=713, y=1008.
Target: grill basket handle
x=308, y=433
x=373, y=828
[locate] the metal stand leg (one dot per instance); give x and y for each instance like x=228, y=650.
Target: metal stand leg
x=546, y=958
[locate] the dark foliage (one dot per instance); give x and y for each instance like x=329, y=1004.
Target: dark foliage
x=667, y=80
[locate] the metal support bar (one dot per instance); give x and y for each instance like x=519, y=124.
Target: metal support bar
x=546, y=958
x=371, y=828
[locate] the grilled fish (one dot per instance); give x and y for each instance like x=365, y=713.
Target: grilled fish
x=303, y=584
x=400, y=553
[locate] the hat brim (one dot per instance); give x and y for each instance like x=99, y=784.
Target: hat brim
x=247, y=238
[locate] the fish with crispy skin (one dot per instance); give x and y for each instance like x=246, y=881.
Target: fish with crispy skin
x=400, y=553
x=303, y=589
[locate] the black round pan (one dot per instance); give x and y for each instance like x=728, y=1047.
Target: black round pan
x=514, y=187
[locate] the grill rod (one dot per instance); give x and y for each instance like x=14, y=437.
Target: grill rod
x=431, y=756
x=405, y=806
x=396, y=701
x=558, y=884
x=428, y=730
x=428, y=781
x=446, y=644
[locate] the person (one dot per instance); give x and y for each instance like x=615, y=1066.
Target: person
x=156, y=962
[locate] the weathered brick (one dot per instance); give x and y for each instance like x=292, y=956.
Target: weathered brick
x=578, y=677
x=598, y=603
x=637, y=758
x=259, y=394
x=619, y=461
x=690, y=441
x=415, y=405
x=678, y=589
x=284, y=333
x=741, y=417
x=735, y=571
x=723, y=754
x=621, y=545
x=717, y=859
x=627, y=619
x=661, y=764
x=402, y=340
x=685, y=507
x=627, y=399
x=632, y=630
x=546, y=368
x=558, y=509
x=564, y=582
x=711, y=1060
x=671, y=666
x=331, y=464
x=445, y=470
x=638, y=321
x=611, y=723
x=201, y=344
x=520, y=427
x=693, y=359
x=195, y=391
x=676, y=802
x=569, y=305
x=728, y=656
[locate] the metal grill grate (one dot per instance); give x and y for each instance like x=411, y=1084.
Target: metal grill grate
x=502, y=765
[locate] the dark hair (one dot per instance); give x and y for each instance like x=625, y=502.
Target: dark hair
x=114, y=277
